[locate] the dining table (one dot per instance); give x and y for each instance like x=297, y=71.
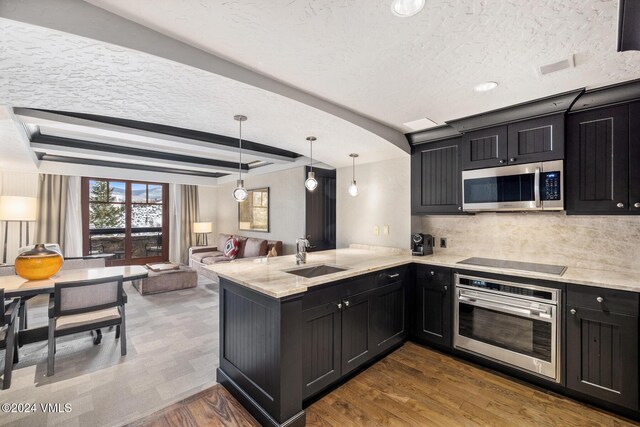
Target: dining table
x=17, y=287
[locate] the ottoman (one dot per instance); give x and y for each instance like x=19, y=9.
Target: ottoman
x=164, y=281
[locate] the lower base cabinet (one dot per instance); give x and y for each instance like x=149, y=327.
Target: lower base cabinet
x=434, y=290
x=602, y=345
x=342, y=335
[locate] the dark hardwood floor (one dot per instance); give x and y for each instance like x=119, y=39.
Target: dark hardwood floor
x=412, y=386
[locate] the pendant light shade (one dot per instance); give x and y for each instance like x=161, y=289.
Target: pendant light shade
x=353, y=188
x=311, y=183
x=240, y=193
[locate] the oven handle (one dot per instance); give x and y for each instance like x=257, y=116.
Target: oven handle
x=505, y=307
x=536, y=187
x=501, y=302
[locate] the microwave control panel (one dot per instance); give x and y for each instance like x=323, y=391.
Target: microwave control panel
x=550, y=186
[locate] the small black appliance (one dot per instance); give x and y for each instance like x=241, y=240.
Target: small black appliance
x=421, y=244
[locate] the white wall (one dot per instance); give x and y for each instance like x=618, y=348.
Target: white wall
x=16, y=184
x=208, y=202
x=286, y=207
x=384, y=199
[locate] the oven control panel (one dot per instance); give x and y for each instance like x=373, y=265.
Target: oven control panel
x=550, y=185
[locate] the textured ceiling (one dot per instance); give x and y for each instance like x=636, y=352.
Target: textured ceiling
x=396, y=70
x=43, y=68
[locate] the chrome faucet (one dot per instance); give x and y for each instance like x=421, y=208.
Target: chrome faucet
x=301, y=250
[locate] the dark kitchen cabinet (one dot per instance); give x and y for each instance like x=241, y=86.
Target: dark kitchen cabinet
x=435, y=177
x=598, y=161
x=527, y=141
x=347, y=325
x=485, y=148
x=357, y=339
x=602, y=344
x=536, y=140
x=321, y=354
x=433, y=305
x=634, y=157
x=389, y=316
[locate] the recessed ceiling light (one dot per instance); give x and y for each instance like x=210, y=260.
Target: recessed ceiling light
x=406, y=8
x=485, y=87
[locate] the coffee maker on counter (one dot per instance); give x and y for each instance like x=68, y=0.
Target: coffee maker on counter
x=421, y=244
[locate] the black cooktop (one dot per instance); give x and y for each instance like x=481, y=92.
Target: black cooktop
x=558, y=270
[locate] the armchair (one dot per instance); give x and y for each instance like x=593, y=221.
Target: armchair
x=7, y=337
x=86, y=305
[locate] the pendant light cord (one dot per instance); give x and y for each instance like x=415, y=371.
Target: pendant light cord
x=240, y=164
x=311, y=144
x=353, y=170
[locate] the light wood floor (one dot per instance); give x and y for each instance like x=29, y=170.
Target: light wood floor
x=412, y=386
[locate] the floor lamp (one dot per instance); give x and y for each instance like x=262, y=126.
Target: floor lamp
x=16, y=209
x=201, y=229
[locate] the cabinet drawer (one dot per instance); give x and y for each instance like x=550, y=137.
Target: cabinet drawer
x=613, y=301
x=432, y=273
x=391, y=276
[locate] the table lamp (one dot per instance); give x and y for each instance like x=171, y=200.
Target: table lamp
x=201, y=229
x=16, y=209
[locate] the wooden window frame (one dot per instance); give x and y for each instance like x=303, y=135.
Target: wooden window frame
x=127, y=260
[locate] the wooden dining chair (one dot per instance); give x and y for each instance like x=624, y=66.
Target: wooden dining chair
x=8, y=337
x=86, y=305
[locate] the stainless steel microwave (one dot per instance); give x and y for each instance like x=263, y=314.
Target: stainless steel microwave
x=531, y=186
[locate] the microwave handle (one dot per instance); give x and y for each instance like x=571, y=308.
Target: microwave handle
x=536, y=187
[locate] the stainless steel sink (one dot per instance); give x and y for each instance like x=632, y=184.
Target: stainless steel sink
x=315, y=270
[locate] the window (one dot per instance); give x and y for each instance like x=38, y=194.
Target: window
x=127, y=219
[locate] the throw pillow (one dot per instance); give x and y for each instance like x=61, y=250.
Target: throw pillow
x=231, y=248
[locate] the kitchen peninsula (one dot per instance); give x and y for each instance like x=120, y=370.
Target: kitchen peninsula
x=285, y=339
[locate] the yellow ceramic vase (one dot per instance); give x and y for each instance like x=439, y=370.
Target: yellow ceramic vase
x=39, y=263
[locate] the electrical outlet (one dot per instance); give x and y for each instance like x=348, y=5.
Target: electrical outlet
x=443, y=242
x=376, y=230
x=385, y=229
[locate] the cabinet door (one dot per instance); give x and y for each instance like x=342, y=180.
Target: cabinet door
x=321, y=348
x=389, y=316
x=485, y=148
x=357, y=342
x=433, y=294
x=634, y=157
x=598, y=161
x=435, y=177
x=536, y=140
x=602, y=355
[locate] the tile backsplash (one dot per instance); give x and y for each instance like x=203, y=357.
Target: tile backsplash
x=598, y=242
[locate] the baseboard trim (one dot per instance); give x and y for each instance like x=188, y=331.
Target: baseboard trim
x=258, y=412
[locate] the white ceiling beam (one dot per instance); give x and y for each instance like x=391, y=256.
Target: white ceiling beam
x=81, y=153
x=167, y=142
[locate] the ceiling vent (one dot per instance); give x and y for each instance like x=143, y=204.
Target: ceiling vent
x=543, y=70
x=420, y=124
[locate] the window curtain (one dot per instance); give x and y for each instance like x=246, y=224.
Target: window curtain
x=189, y=214
x=52, y=209
x=73, y=224
x=175, y=213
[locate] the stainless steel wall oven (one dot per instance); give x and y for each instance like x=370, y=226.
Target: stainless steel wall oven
x=512, y=323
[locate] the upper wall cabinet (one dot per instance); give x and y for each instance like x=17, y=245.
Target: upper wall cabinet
x=598, y=160
x=435, y=177
x=527, y=141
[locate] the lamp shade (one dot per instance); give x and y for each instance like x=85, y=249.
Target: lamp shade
x=16, y=208
x=202, y=227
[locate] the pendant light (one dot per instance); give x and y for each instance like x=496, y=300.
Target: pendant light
x=353, y=188
x=240, y=193
x=311, y=183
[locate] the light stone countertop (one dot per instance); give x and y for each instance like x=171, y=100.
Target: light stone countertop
x=268, y=275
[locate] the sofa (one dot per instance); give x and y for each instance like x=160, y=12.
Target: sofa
x=249, y=247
